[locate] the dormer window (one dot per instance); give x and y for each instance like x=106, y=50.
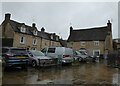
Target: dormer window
x=51, y=36
x=23, y=29
x=57, y=38
x=35, y=32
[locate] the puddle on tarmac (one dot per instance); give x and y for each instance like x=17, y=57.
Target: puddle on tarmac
x=84, y=73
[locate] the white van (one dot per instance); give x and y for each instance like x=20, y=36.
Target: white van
x=63, y=54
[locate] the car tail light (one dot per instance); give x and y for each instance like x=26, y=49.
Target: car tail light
x=8, y=55
x=64, y=56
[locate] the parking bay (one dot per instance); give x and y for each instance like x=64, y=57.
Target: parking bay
x=82, y=73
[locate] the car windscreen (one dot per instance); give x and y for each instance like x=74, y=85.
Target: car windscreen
x=78, y=53
x=37, y=53
x=18, y=51
x=83, y=53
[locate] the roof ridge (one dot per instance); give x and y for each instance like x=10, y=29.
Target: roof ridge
x=90, y=28
x=21, y=23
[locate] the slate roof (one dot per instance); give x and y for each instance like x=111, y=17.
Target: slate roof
x=91, y=34
x=29, y=30
x=63, y=43
x=16, y=27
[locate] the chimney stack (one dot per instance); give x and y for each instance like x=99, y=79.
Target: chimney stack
x=7, y=16
x=33, y=25
x=109, y=25
x=71, y=29
x=42, y=29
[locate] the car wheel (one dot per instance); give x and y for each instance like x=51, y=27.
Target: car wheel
x=34, y=64
x=80, y=59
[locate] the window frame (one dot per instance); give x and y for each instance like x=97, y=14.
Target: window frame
x=57, y=38
x=23, y=29
x=35, y=41
x=51, y=37
x=35, y=32
x=83, y=43
x=96, y=43
x=22, y=38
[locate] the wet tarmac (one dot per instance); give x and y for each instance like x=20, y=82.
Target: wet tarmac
x=80, y=73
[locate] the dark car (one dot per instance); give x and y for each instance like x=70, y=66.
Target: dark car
x=14, y=57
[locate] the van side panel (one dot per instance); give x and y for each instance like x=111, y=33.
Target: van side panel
x=65, y=54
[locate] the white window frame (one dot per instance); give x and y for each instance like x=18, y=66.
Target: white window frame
x=22, y=38
x=96, y=43
x=23, y=29
x=35, y=32
x=57, y=38
x=96, y=51
x=82, y=43
x=51, y=36
x=34, y=41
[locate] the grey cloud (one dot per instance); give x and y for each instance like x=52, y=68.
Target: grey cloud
x=57, y=16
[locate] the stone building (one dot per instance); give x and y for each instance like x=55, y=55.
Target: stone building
x=96, y=41
x=15, y=34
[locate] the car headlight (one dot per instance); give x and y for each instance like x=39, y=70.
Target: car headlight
x=64, y=61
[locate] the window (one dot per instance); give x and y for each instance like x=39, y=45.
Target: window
x=18, y=51
x=82, y=43
x=34, y=41
x=35, y=32
x=51, y=50
x=57, y=38
x=96, y=43
x=51, y=36
x=22, y=40
x=23, y=29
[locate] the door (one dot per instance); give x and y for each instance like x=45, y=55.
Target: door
x=96, y=52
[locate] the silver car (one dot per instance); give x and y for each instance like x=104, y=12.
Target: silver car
x=37, y=58
x=80, y=56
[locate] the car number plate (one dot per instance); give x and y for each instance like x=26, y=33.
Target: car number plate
x=20, y=57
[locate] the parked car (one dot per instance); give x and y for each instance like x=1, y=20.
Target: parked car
x=14, y=57
x=63, y=54
x=80, y=56
x=37, y=58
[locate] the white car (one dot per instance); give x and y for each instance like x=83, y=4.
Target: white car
x=37, y=58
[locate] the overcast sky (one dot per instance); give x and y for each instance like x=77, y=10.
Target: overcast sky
x=56, y=17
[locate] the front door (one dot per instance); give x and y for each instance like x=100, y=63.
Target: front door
x=96, y=52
